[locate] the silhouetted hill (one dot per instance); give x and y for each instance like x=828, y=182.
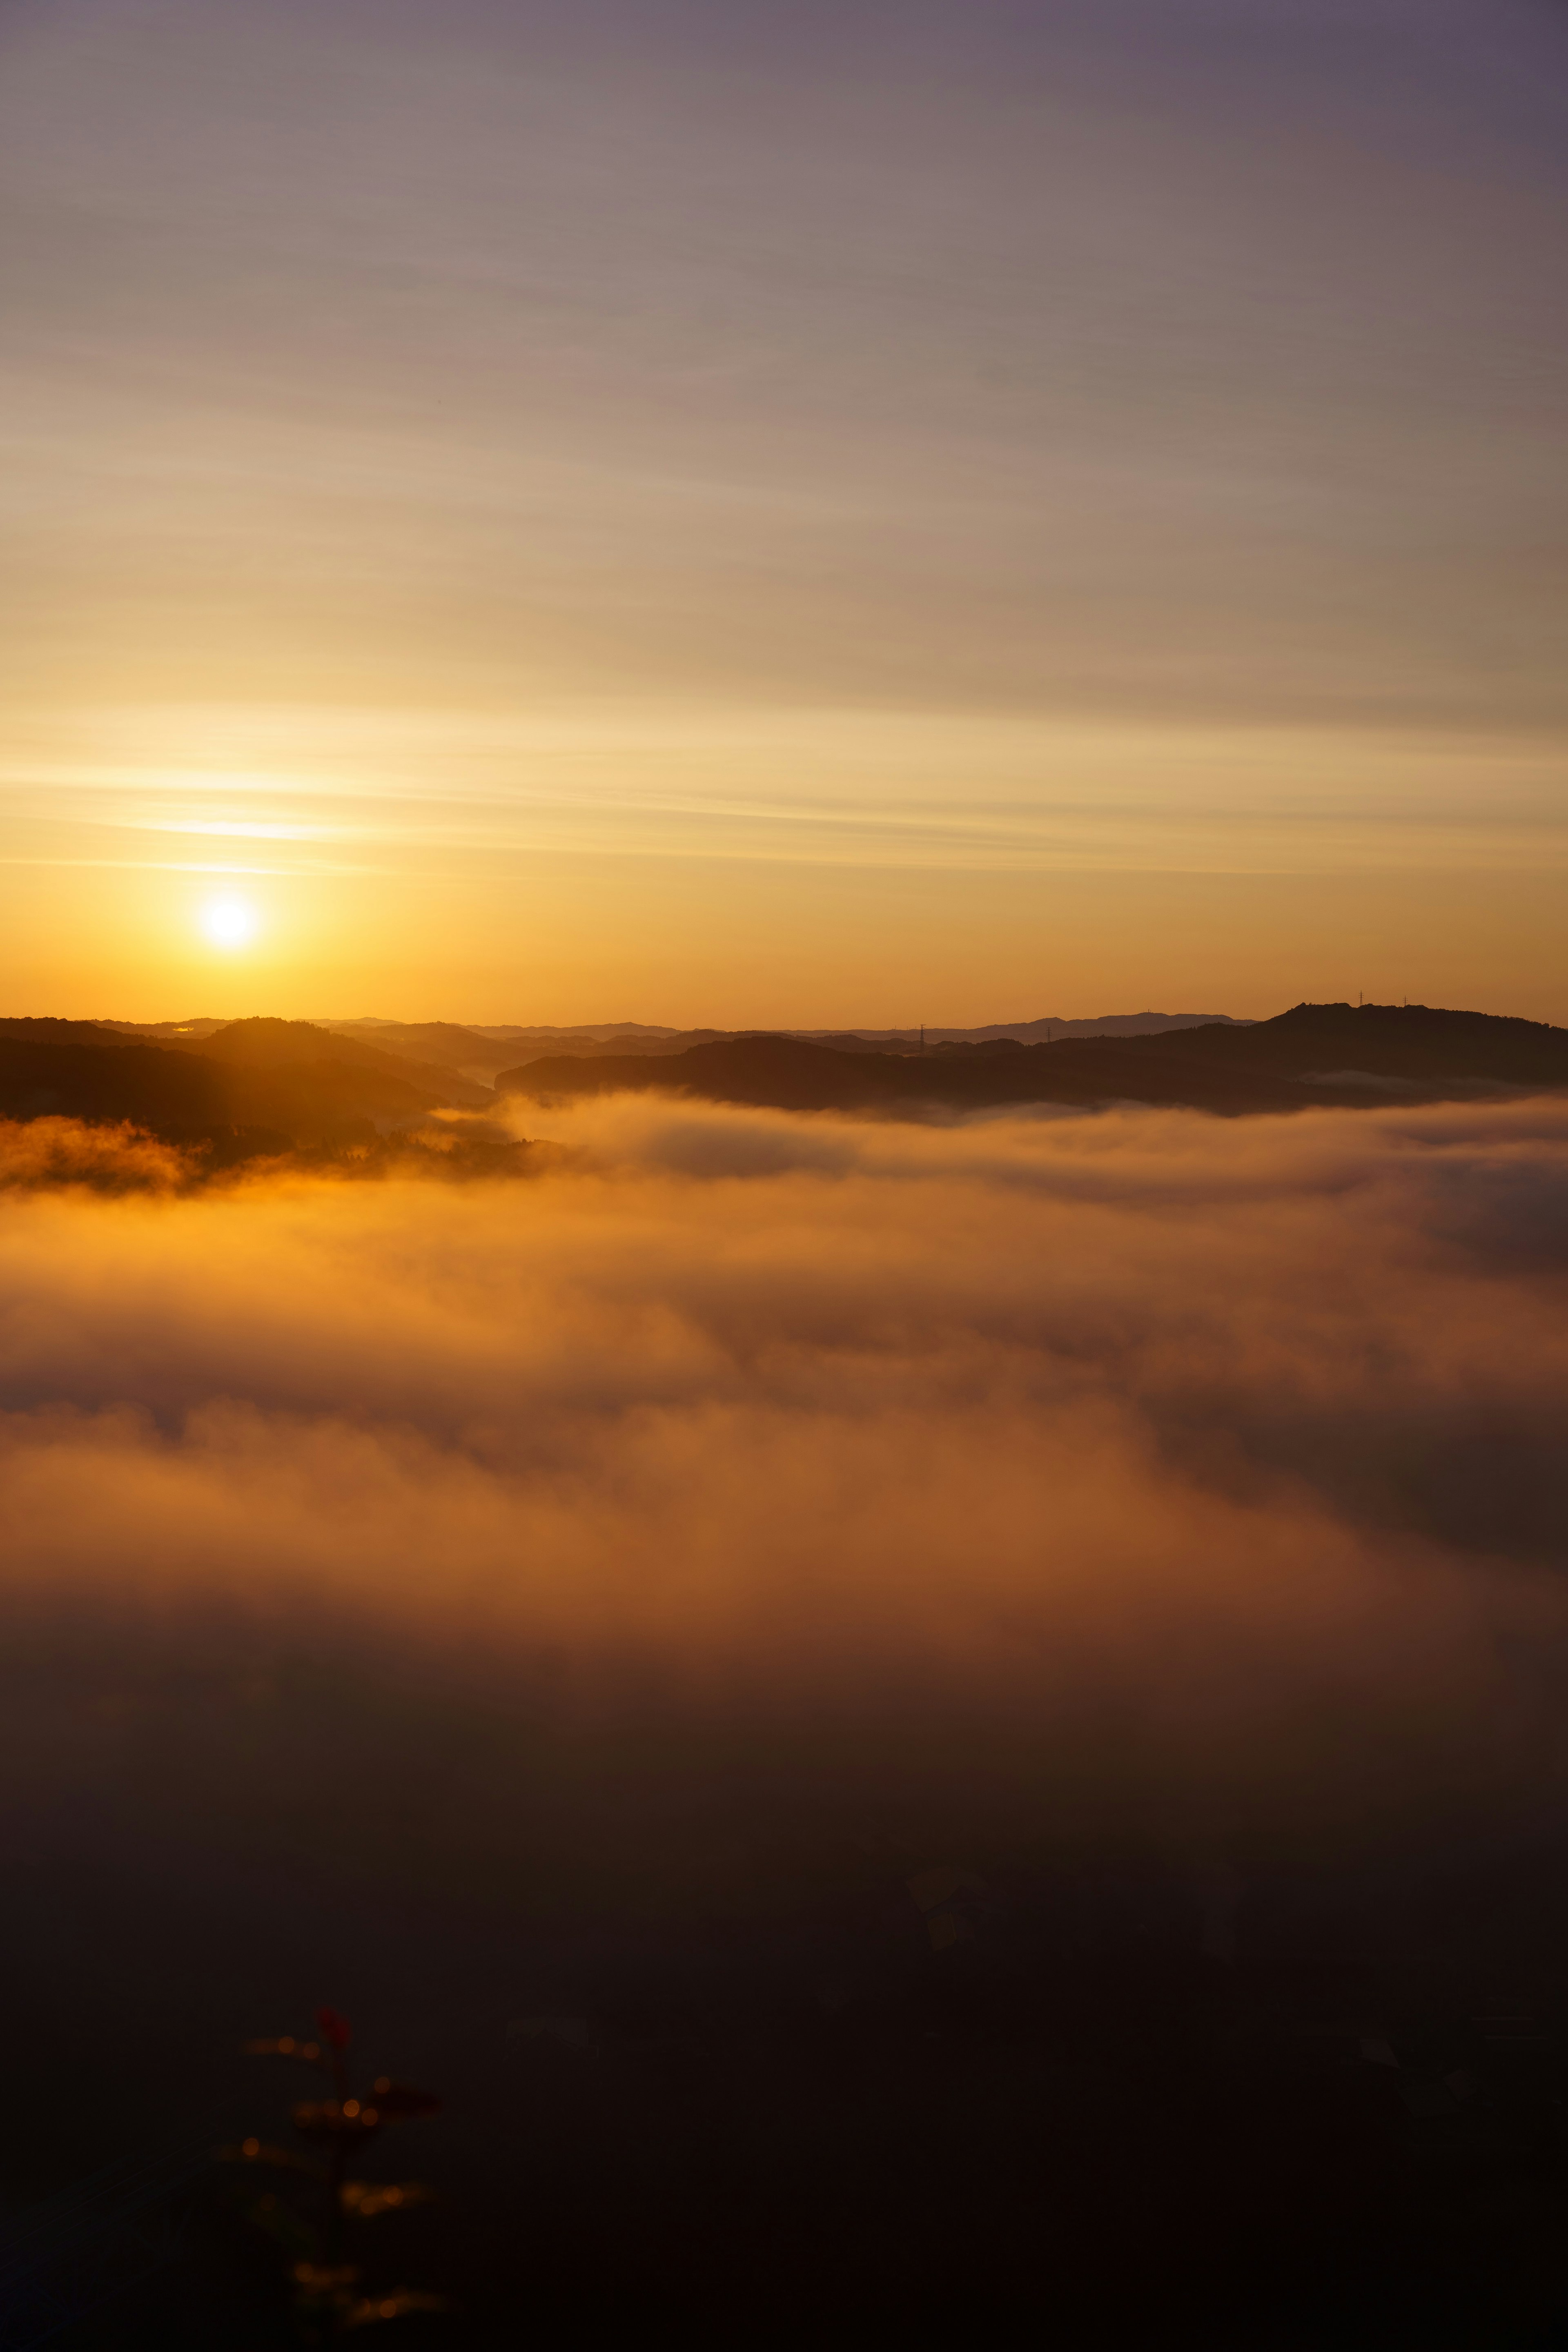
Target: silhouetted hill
x=1311, y=1055
x=280, y=1082
x=444, y=1045
x=644, y=1042
x=481, y=1047
x=1418, y=1043
x=264, y=1043
x=597, y=1030
x=303, y=1085
x=789, y=1074
x=1047, y=1030
x=166, y=1032
x=892, y=1041
x=51, y=1032
x=99, y=1077
x=784, y=1073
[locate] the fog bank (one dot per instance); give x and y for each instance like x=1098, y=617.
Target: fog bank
x=1136, y=1459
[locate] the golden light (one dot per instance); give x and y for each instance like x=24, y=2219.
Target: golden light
x=229, y=922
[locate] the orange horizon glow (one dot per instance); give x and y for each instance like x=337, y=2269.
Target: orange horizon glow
x=812, y=540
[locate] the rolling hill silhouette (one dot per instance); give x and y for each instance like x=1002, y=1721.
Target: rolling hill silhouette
x=258, y=1084
x=264, y=1044
x=446, y=1045
x=253, y=1085
x=1315, y=1053
x=74, y=1069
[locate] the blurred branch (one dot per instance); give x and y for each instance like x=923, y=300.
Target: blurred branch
x=328, y=2289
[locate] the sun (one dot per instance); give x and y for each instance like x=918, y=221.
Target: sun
x=229, y=922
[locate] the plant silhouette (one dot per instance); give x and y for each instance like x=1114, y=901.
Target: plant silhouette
x=316, y=2227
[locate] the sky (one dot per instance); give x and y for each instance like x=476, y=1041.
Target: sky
x=750, y=514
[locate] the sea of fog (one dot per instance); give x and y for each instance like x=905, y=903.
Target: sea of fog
x=623, y=1595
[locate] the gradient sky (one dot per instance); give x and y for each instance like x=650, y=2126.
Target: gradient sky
x=695, y=511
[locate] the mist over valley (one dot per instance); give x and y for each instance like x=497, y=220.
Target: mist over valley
x=1040, y=1629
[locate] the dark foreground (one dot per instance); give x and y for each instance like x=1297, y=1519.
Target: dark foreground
x=722, y=2064
x=923, y=1730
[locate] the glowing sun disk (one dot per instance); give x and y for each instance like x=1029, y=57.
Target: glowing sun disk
x=228, y=922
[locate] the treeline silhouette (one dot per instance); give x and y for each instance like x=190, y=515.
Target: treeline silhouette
x=254, y=1090
x=259, y=1088
x=1314, y=1055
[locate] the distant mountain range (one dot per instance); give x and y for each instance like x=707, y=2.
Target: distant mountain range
x=1315, y=1053
x=480, y=1046
x=249, y=1087
x=478, y=1052
x=271, y=1084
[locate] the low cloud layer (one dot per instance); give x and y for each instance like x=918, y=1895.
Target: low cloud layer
x=1140, y=1458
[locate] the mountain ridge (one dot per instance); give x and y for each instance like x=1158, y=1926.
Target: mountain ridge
x=285, y=1083
x=1311, y=1055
